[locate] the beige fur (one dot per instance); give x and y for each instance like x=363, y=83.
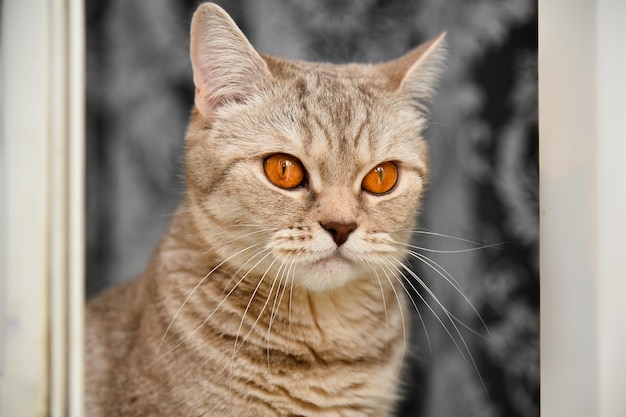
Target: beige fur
x=249, y=307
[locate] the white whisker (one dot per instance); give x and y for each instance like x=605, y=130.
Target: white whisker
x=423, y=248
x=382, y=296
x=454, y=284
x=209, y=316
x=276, y=307
x=251, y=234
x=243, y=317
x=431, y=233
x=194, y=290
x=252, y=296
x=388, y=264
x=450, y=319
x=250, y=259
x=267, y=298
x=293, y=278
x=402, y=319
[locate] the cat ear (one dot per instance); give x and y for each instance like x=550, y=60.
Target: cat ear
x=418, y=71
x=226, y=67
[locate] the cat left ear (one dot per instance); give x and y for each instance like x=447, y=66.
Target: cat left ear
x=418, y=71
x=226, y=67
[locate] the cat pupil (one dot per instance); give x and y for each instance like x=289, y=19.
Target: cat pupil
x=380, y=173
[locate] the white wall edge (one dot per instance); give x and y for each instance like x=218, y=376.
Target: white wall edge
x=611, y=201
x=582, y=114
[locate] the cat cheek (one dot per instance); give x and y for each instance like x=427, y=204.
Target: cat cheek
x=272, y=206
x=396, y=213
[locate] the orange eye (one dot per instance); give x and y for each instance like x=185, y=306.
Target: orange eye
x=284, y=171
x=381, y=179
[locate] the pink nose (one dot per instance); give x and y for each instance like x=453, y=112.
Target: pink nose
x=339, y=231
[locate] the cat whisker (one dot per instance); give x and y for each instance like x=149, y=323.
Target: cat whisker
x=169, y=326
x=434, y=265
x=439, y=124
x=250, y=259
x=229, y=233
x=384, y=302
x=212, y=312
x=267, y=298
x=454, y=283
x=289, y=277
x=253, y=225
x=254, y=293
x=469, y=358
x=382, y=296
x=432, y=295
x=277, y=301
x=421, y=297
x=423, y=248
x=388, y=266
x=237, y=346
x=293, y=279
x=402, y=318
x=251, y=234
x=437, y=234
x=280, y=270
x=471, y=330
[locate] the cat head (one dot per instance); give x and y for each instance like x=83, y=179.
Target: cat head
x=315, y=170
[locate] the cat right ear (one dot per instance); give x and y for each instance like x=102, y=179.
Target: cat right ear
x=226, y=68
x=417, y=72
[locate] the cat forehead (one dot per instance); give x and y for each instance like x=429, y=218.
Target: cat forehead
x=337, y=115
x=343, y=102
x=327, y=77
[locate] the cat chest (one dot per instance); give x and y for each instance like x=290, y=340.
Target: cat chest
x=314, y=385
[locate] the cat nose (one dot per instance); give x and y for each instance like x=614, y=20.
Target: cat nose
x=339, y=231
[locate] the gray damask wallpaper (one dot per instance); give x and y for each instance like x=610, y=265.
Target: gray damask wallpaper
x=484, y=188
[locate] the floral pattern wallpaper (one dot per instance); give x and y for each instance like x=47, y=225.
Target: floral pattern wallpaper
x=476, y=339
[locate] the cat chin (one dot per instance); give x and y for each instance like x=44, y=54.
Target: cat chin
x=328, y=274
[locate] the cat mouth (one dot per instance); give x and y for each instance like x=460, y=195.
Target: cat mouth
x=330, y=272
x=333, y=261
x=336, y=256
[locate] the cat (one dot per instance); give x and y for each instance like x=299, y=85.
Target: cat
x=277, y=289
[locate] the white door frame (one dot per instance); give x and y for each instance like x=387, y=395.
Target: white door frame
x=42, y=208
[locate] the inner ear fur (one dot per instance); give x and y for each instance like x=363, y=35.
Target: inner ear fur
x=226, y=67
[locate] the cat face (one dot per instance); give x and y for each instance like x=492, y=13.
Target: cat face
x=313, y=172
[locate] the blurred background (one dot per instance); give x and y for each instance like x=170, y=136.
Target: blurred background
x=483, y=140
